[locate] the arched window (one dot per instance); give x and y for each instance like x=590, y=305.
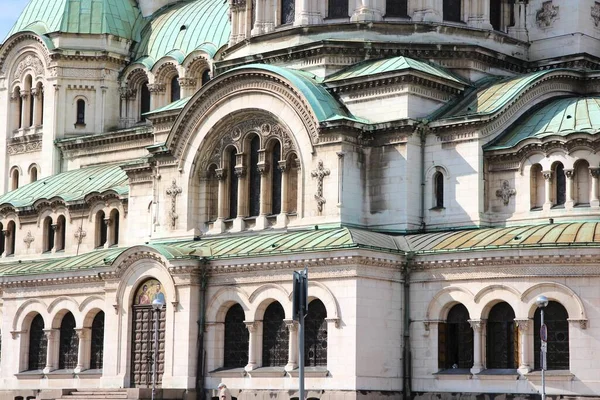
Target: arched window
x=80, y=112
x=18, y=108
x=101, y=229
x=69, y=343
x=338, y=9
x=144, y=100
x=536, y=187
x=455, y=340
x=48, y=235
x=254, y=178
x=33, y=174
x=97, y=347
x=61, y=233
x=38, y=345
x=115, y=220
x=438, y=189
x=556, y=319
x=2, y=239
x=560, y=187
x=582, y=183
x=315, y=339
x=276, y=179
x=175, y=89
x=236, y=338
x=11, y=233
x=502, y=345
x=14, y=179
x=452, y=10
x=292, y=189
x=288, y=10
x=233, y=184
x=275, y=337
x=205, y=77
x=29, y=109
x=396, y=8
x=39, y=112
x=212, y=194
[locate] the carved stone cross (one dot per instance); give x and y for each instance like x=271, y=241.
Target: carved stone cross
x=173, y=192
x=596, y=14
x=505, y=192
x=546, y=15
x=320, y=173
x=28, y=239
x=80, y=235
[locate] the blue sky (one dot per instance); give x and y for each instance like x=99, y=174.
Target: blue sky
x=9, y=12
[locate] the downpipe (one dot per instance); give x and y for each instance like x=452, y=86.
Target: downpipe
x=200, y=363
x=407, y=354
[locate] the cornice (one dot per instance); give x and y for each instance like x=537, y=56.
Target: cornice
x=130, y=135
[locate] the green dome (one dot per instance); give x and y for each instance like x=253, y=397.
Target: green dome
x=121, y=18
x=187, y=26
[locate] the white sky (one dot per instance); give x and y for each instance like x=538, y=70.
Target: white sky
x=9, y=13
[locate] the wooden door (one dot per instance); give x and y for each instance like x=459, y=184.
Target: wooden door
x=142, y=347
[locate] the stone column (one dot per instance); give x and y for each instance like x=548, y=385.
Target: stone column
x=519, y=30
x=292, y=345
x=55, y=233
x=302, y=15
x=238, y=223
x=282, y=218
x=265, y=195
x=222, y=198
x=524, y=364
x=52, y=336
x=188, y=86
x=252, y=328
x=25, y=110
x=547, y=189
x=569, y=202
x=35, y=94
x=478, y=326
x=595, y=173
x=82, y=357
x=258, y=20
x=157, y=91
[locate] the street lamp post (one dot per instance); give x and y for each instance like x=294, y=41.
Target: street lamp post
x=157, y=304
x=542, y=302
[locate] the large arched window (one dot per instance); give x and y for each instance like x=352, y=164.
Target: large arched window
x=236, y=338
x=455, y=340
x=39, y=104
x=560, y=184
x=275, y=337
x=288, y=10
x=556, y=319
x=276, y=178
x=396, y=8
x=502, y=345
x=536, y=187
x=48, y=235
x=61, y=233
x=452, y=10
x=11, y=240
x=338, y=9
x=315, y=339
x=80, y=113
x=101, y=229
x=144, y=100
x=292, y=166
x=175, y=89
x=97, y=345
x=438, y=190
x=69, y=343
x=38, y=345
x=233, y=183
x=212, y=194
x=254, y=178
x=582, y=183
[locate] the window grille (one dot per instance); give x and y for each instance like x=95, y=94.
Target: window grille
x=236, y=338
x=555, y=318
x=502, y=337
x=275, y=337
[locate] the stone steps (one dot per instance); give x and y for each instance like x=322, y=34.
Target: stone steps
x=97, y=394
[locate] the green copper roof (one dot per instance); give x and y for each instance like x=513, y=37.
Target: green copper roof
x=560, y=117
x=116, y=17
x=549, y=235
x=388, y=65
x=176, y=105
x=71, y=186
x=491, y=98
x=324, y=105
x=179, y=30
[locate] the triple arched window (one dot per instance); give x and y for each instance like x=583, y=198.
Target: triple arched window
x=54, y=234
x=107, y=228
x=28, y=104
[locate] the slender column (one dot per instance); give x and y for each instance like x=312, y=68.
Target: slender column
x=221, y=175
x=547, y=189
x=157, y=91
x=478, y=326
x=523, y=326
x=303, y=14
x=252, y=328
x=595, y=173
x=242, y=195
x=258, y=20
x=569, y=202
x=54, y=229
x=82, y=359
x=36, y=104
x=365, y=12
x=25, y=109
x=265, y=195
x=52, y=350
x=292, y=345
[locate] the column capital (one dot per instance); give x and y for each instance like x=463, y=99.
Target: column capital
x=547, y=175
x=569, y=173
x=477, y=324
x=240, y=171
x=51, y=333
x=220, y=174
x=291, y=324
x=82, y=332
x=262, y=168
x=251, y=325
x=595, y=172
x=523, y=324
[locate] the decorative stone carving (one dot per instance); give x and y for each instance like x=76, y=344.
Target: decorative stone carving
x=80, y=234
x=596, y=14
x=188, y=82
x=505, y=192
x=477, y=324
x=522, y=324
x=28, y=239
x=546, y=15
x=173, y=192
x=320, y=173
x=221, y=174
x=547, y=175
x=157, y=87
x=24, y=147
x=595, y=172
x=29, y=62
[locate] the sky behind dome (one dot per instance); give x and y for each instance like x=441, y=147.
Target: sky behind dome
x=9, y=13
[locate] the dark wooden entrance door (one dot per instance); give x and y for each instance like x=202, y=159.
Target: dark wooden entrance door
x=142, y=349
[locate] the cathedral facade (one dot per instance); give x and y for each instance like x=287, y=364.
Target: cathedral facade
x=167, y=164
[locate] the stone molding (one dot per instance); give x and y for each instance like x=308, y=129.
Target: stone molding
x=17, y=43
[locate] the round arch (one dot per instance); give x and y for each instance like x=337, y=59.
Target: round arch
x=27, y=311
x=556, y=292
x=266, y=294
x=445, y=299
x=491, y=295
x=223, y=299
x=61, y=306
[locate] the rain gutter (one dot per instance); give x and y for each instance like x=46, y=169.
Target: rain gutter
x=200, y=359
x=406, y=353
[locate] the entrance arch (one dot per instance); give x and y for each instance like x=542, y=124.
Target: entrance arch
x=142, y=337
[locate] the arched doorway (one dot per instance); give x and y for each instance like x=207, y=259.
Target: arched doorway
x=142, y=338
